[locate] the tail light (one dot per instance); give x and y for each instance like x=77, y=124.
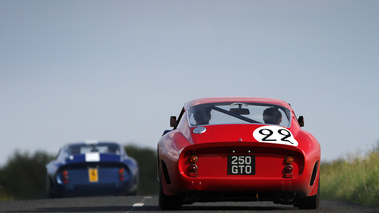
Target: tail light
x=288, y=168
x=65, y=176
x=121, y=174
x=289, y=160
x=194, y=159
x=193, y=167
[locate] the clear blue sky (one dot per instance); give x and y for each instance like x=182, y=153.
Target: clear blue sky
x=116, y=70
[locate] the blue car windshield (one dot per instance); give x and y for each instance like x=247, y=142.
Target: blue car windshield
x=239, y=113
x=76, y=149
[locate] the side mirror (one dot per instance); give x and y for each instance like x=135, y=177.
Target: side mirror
x=173, y=121
x=301, y=121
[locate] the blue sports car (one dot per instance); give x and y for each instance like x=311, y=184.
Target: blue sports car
x=92, y=168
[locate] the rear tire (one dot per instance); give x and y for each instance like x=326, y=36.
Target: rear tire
x=50, y=191
x=311, y=202
x=168, y=202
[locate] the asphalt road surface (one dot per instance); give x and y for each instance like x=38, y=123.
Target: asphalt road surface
x=150, y=204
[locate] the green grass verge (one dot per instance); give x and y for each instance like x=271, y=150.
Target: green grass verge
x=354, y=178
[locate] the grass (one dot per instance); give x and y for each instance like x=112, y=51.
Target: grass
x=4, y=196
x=354, y=178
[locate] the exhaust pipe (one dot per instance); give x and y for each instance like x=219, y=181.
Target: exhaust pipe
x=288, y=198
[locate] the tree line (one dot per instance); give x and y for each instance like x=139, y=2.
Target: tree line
x=24, y=175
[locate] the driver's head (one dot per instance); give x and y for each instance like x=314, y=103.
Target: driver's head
x=272, y=116
x=202, y=115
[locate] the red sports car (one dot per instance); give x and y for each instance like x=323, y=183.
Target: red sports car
x=238, y=149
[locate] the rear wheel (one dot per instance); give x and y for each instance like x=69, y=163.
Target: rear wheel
x=168, y=202
x=311, y=202
x=50, y=190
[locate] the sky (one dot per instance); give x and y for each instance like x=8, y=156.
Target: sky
x=117, y=70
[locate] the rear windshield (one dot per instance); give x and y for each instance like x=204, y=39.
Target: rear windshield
x=86, y=148
x=239, y=113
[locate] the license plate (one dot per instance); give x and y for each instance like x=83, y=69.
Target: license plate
x=93, y=175
x=241, y=165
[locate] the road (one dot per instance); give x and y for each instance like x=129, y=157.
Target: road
x=150, y=204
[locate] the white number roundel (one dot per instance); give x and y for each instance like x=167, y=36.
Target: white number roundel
x=274, y=134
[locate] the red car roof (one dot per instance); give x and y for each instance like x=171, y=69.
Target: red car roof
x=236, y=99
